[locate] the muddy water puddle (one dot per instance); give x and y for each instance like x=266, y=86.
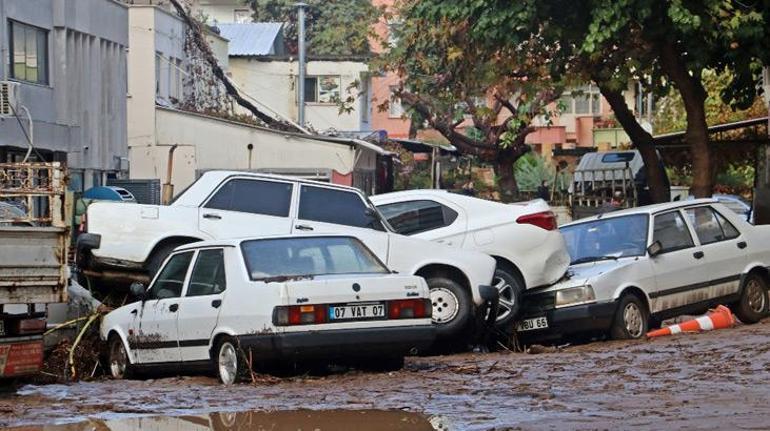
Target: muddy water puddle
x=294, y=420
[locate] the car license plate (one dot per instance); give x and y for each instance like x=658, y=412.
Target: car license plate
x=531, y=324
x=357, y=311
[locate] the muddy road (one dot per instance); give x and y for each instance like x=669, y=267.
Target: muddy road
x=694, y=381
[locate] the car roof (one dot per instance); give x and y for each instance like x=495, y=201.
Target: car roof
x=222, y=174
x=647, y=209
x=235, y=242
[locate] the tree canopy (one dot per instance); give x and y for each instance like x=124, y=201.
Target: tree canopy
x=340, y=27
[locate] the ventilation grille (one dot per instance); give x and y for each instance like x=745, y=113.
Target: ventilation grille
x=8, y=97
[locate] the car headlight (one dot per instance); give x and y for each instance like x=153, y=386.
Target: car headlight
x=575, y=296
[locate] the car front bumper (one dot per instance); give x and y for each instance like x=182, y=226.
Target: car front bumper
x=596, y=317
x=341, y=344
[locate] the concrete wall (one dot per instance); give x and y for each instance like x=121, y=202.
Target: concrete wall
x=209, y=143
x=273, y=82
x=82, y=109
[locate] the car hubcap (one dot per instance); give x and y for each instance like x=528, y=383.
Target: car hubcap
x=507, y=297
x=632, y=315
x=118, y=360
x=756, y=296
x=228, y=363
x=445, y=305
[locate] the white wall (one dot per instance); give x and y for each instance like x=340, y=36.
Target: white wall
x=210, y=143
x=273, y=82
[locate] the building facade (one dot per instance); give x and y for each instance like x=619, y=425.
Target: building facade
x=64, y=67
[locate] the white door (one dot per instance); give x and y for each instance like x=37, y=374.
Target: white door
x=723, y=249
x=330, y=210
x=156, y=340
x=679, y=269
x=199, y=307
x=247, y=207
x=427, y=218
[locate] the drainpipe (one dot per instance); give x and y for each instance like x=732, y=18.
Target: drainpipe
x=301, y=48
x=168, y=188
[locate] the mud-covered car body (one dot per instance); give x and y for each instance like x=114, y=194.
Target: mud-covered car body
x=675, y=258
x=277, y=298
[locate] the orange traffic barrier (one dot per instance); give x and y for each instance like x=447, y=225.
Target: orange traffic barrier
x=719, y=318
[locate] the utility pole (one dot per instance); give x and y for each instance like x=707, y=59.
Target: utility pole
x=301, y=48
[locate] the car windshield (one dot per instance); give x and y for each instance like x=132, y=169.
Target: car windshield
x=608, y=238
x=285, y=258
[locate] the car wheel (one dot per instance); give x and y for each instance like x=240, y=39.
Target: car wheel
x=510, y=287
x=158, y=256
x=631, y=319
x=117, y=360
x=452, y=306
x=228, y=362
x=753, y=303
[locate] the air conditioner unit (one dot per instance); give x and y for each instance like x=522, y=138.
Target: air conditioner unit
x=9, y=98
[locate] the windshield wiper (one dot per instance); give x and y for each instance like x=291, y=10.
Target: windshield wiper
x=593, y=259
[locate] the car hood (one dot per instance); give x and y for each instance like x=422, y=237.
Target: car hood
x=586, y=273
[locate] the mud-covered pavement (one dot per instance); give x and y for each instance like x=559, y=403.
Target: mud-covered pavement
x=692, y=381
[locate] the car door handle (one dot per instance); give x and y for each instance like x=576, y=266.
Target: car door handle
x=134, y=311
x=303, y=227
x=698, y=255
x=211, y=216
x=173, y=307
x=216, y=303
x=742, y=245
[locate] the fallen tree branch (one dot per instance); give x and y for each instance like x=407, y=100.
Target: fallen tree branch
x=71, y=359
x=65, y=324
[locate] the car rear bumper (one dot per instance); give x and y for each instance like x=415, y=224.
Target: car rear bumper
x=572, y=320
x=342, y=343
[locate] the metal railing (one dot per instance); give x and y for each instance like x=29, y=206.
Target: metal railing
x=36, y=190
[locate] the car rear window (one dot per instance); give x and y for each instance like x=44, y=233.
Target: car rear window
x=308, y=256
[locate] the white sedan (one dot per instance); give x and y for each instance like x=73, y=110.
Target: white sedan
x=213, y=304
x=522, y=237
x=633, y=268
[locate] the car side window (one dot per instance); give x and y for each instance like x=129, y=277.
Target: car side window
x=728, y=229
x=333, y=206
x=672, y=232
x=706, y=225
x=412, y=217
x=171, y=277
x=208, y=275
x=253, y=196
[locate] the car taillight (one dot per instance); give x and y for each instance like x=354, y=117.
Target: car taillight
x=83, y=223
x=409, y=309
x=299, y=315
x=544, y=220
x=31, y=326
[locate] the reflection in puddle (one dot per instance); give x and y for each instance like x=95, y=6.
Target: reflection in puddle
x=296, y=420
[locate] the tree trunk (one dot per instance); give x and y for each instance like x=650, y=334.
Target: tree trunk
x=696, y=134
x=644, y=142
x=506, y=177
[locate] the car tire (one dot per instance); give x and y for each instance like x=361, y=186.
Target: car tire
x=631, y=319
x=117, y=359
x=158, y=256
x=510, y=287
x=452, y=306
x=228, y=363
x=753, y=303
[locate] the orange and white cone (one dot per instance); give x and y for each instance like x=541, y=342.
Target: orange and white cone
x=719, y=318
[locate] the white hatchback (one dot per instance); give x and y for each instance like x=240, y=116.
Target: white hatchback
x=222, y=304
x=522, y=237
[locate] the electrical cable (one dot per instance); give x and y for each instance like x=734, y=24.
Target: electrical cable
x=26, y=135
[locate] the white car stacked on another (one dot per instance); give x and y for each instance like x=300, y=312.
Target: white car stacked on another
x=633, y=268
x=213, y=304
x=128, y=239
x=522, y=237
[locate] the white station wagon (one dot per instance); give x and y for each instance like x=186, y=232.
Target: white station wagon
x=215, y=303
x=633, y=268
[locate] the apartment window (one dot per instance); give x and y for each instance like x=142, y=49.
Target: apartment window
x=322, y=89
x=395, y=108
x=29, y=52
x=242, y=15
x=585, y=100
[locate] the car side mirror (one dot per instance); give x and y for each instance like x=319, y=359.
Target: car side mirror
x=655, y=248
x=138, y=290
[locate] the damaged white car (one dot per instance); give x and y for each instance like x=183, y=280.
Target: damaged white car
x=633, y=268
x=219, y=304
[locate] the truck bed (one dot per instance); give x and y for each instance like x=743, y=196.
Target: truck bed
x=33, y=265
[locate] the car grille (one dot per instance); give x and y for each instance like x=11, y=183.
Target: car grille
x=538, y=303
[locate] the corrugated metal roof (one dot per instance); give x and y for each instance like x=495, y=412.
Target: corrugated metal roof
x=253, y=38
